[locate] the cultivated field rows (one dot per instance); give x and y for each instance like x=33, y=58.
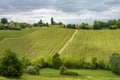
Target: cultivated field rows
x=41, y=43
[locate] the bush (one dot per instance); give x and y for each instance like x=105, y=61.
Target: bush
x=86, y=65
x=113, y=27
x=56, y=61
x=40, y=62
x=115, y=63
x=71, y=73
x=64, y=71
x=10, y=65
x=33, y=70
x=103, y=65
x=72, y=63
x=26, y=62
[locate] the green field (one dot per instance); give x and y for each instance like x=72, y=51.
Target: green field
x=42, y=43
x=51, y=74
x=93, y=43
x=15, y=33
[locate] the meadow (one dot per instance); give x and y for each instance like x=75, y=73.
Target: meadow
x=15, y=33
x=52, y=74
x=88, y=44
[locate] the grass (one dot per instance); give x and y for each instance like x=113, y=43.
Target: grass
x=88, y=44
x=15, y=33
x=42, y=43
x=51, y=74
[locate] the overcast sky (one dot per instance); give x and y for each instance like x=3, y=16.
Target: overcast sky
x=67, y=11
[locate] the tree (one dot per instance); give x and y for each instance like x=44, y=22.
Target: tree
x=1, y=26
x=72, y=26
x=111, y=22
x=115, y=63
x=97, y=25
x=118, y=23
x=84, y=26
x=113, y=27
x=52, y=21
x=4, y=21
x=56, y=61
x=40, y=23
x=10, y=65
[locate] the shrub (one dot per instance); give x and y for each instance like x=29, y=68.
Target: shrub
x=94, y=63
x=86, y=65
x=33, y=70
x=10, y=65
x=71, y=73
x=115, y=63
x=103, y=65
x=40, y=62
x=26, y=62
x=113, y=27
x=56, y=61
x=72, y=63
x=64, y=71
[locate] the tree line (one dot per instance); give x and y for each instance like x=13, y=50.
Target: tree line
x=11, y=66
x=5, y=25
x=97, y=25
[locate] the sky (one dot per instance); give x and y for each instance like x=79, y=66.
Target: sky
x=66, y=11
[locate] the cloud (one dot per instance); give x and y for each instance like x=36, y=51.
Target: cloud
x=67, y=11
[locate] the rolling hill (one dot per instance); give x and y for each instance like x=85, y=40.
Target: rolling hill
x=40, y=43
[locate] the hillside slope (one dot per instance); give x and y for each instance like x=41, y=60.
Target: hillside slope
x=89, y=44
x=43, y=42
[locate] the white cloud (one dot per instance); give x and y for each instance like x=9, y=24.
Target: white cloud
x=76, y=17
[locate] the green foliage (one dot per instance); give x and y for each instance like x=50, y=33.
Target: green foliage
x=94, y=63
x=40, y=62
x=86, y=65
x=4, y=21
x=33, y=70
x=85, y=26
x=97, y=25
x=64, y=71
x=56, y=61
x=72, y=63
x=115, y=63
x=23, y=25
x=40, y=23
x=113, y=27
x=52, y=21
x=26, y=62
x=10, y=65
x=71, y=26
x=111, y=22
x=1, y=26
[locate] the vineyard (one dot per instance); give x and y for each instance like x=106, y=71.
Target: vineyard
x=40, y=43
x=93, y=43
